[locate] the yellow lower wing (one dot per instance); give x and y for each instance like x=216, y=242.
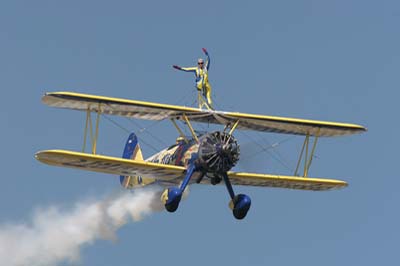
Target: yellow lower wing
x=173, y=173
x=291, y=182
x=110, y=165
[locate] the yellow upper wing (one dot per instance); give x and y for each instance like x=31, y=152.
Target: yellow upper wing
x=171, y=174
x=156, y=111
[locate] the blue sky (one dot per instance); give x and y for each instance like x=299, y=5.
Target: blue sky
x=325, y=60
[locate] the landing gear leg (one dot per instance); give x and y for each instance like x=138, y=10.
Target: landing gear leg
x=171, y=197
x=228, y=185
x=239, y=204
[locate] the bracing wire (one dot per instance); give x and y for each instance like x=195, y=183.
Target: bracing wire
x=278, y=157
x=267, y=149
x=141, y=130
x=264, y=148
x=128, y=131
x=116, y=124
x=272, y=146
x=145, y=130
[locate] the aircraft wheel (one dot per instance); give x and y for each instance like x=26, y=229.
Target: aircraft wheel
x=240, y=205
x=172, y=207
x=171, y=198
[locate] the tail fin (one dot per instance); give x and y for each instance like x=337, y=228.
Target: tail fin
x=132, y=148
x=132, y=151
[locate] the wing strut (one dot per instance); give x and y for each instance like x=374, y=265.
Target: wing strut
x=234, y=127
x=88, y=120
x=307, y=158
x=190, y=127
x=89, y=125
x=179, y=130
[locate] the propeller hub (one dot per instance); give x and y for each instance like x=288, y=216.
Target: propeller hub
x=218, y=152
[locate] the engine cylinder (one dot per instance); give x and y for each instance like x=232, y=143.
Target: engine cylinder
x=218, y=152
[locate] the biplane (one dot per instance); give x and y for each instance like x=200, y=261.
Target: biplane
x=205, y=158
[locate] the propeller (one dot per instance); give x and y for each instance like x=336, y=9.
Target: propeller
x=218, y=152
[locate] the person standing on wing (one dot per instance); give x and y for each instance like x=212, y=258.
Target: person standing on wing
x=201, y=73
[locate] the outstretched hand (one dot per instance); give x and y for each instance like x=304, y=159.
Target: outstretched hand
x=177, y=67
x=204, y=51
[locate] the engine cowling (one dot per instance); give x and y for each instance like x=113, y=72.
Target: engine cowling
x=218, y=152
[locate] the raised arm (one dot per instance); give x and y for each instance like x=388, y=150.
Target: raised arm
x=208, y=58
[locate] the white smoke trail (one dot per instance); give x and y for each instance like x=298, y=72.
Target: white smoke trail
x=55, y=236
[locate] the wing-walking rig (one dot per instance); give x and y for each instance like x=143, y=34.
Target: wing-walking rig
x=205, y=159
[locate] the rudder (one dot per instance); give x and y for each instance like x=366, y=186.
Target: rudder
x=132, y=151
